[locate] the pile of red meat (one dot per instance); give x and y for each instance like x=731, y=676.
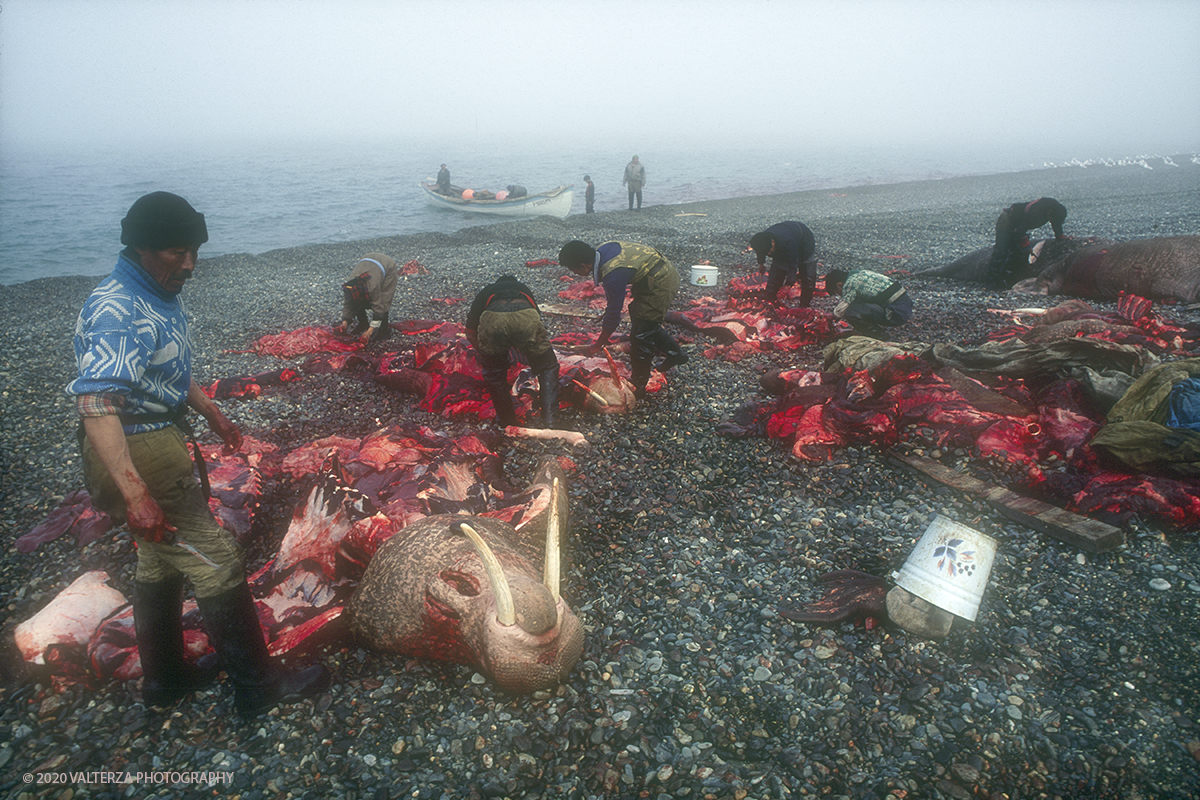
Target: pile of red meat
x=363, y=491
x=1039, y=426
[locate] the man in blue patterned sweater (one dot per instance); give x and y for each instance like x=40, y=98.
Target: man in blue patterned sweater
x=134, y=387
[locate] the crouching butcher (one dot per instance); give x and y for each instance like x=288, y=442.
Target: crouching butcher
x=505, y=316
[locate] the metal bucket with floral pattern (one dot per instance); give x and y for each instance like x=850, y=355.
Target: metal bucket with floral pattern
x=949, y=567
x=703, y=275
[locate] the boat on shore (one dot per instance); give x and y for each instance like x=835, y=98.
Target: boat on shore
x=554, y=203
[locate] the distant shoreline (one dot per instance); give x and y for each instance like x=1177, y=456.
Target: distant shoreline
x=896, y=197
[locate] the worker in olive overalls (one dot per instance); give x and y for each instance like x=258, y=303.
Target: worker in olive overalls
x=653, y=283
x=505, y=316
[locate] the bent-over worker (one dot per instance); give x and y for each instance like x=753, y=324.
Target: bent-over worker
x=792, y=249
x=870, y=302
x=504, y=315
x=1012, y=229
x=371, y=286
x=653, y=283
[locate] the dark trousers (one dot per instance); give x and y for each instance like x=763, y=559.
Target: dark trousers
x=645, y=338
x=870, y=319
x=1007, y=248
x=635, y=190
x=780, y=275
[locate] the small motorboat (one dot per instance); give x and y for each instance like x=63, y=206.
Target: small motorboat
x=554, y=203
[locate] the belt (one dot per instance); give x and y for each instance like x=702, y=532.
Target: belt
x=509, y=305
x=657, y=268
x=179, y=419
x=888, y=295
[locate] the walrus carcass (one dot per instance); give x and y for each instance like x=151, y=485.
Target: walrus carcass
x=1163, y=268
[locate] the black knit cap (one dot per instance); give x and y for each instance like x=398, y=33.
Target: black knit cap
x=161, y=220
x=761, y=243
x=576, y=254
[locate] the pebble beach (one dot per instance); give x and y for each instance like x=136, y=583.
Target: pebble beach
x=1079, y=677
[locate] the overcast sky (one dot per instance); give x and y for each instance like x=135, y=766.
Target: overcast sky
x=1116, y=76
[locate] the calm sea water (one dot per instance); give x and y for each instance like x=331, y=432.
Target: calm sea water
x=60, y=211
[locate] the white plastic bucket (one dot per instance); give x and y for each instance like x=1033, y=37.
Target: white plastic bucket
x=703, y=275
x=949, y=567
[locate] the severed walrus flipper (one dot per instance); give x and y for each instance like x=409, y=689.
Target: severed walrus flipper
x=850, y=594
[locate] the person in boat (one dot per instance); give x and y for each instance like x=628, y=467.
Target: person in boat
x=653, y=282
x=635, y=179
x=370, y=287
x=515, y=191
x=589, y=197
x=1012, y=235
x=870, y=302
x=443, y=180
x=505, y=316
x=132, y=393
x=792, y=249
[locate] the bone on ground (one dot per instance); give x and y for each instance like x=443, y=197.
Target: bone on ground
x=572, y=438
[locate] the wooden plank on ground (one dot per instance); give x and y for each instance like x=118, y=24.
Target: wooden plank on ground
x=1085, y=533
x=560, y=310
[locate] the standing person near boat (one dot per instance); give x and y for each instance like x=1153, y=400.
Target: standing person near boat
x=132, y=393
x=635, y=179
x=505, y=316
x=589, y=196
x=443, y=180
x=371, y=285
x=653, y=282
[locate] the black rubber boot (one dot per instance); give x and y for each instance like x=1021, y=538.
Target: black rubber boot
x=639, y=376
x=642, y=346
x=158, y=625
x=806, y=291
x=673, y=354
x=385, y=330
x=548, y=381
x=361, y=323
x=502, y=401
x=259, y=683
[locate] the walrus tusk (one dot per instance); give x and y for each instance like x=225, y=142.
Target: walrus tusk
x=572, y=438
x=506, y=610
x=553, y=565
x=612, y=366
x=1036, y=252
x=595, y=396
x=1018, y=315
